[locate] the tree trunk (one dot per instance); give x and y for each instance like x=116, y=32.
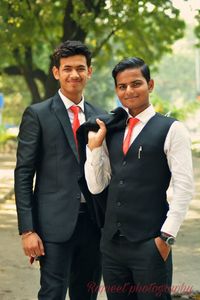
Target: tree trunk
x=28, y=76
x=51, y=85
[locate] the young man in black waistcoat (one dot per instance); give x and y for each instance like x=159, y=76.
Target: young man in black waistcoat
x=56, y=217
x=137, y=165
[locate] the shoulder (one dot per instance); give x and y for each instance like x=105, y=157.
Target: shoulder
x=94, y=108
x=179, y=130
x=41, y=105
x=40, y=108
x=176, y=126
x=164, y=118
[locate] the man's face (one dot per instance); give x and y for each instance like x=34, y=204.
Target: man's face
x=72, y=74
x=133, y=90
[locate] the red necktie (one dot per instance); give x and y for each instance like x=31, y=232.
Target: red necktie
x=76, y=123
x=131, y=123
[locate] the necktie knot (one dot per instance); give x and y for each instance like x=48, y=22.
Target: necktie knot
x=131, y=123
x=75, y=109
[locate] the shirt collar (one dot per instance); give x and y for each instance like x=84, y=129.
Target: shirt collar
x=68, y=103
x=145, y=115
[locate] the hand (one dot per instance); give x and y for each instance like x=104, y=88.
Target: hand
x=163, y=248
x=95, y=139
x=32, y=245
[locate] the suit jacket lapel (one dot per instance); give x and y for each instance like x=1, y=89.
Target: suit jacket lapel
x=62, y=116
x=88, y=111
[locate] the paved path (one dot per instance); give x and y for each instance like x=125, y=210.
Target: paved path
x=20, y=281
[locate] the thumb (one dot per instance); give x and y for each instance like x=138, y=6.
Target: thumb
x=101, y=124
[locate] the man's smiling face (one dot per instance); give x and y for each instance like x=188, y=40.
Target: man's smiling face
x=133, y=90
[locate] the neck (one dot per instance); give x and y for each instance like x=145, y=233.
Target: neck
x=135, y=112
x=75, y=98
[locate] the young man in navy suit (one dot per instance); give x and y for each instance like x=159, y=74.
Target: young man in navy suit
x=56, y=219
x=137, y=163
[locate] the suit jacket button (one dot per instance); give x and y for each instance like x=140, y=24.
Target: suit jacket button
x=121, y=182
x=118, y=203
x=78, y=196
x=118, y=224
x=124, y=163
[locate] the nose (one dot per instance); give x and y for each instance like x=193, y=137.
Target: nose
x=129, y=89
x=74, y=73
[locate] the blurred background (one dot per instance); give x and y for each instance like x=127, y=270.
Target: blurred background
x=165, y=33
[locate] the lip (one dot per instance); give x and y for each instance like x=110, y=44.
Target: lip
x=131, y=98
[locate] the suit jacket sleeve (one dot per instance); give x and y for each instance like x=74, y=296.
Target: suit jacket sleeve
x=27, y=157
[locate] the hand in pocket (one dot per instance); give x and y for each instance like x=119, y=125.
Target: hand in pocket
x=163, y=248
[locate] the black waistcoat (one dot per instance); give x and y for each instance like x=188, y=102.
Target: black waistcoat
x=137, y=204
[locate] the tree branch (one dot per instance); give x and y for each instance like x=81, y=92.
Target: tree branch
x=12, y=70
x=94, y=6
x=103, y=42
x=42, y=27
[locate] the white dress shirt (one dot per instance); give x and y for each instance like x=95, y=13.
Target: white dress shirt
x=68, y=103
x=177, y=148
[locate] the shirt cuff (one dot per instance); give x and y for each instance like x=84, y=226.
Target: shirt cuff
x=171, y=227
x=94, y=156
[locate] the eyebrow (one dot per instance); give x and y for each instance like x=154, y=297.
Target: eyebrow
x=69, y=66
x=130, y=82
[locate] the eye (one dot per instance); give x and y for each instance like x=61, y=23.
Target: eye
x=136, y=84
x=81, y=69
x=66, y=69
x=122, y=87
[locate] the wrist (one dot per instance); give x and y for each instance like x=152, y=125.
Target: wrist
x=26, y=234
x=167, y=238
x=92, y=145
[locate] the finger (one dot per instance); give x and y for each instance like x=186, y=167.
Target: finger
x=30, y=245
x=41, y=248
x=101, y=124
x=26, y=248
x=31, y=251
x=36, y=250
x=27, y=253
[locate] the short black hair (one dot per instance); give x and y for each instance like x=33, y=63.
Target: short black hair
x=132, y=63
x=71, y=48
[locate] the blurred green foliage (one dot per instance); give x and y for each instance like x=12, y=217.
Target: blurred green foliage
x=6, y=138
x=197, y=28
x=179, y=111
x=30, y=30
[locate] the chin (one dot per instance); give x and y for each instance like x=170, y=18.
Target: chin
x=129, y=106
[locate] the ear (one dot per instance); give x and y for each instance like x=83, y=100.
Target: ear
x=55, y=72
x=151, y=85
x=89, y=72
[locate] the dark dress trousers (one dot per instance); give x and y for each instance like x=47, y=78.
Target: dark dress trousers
x=47, y=156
